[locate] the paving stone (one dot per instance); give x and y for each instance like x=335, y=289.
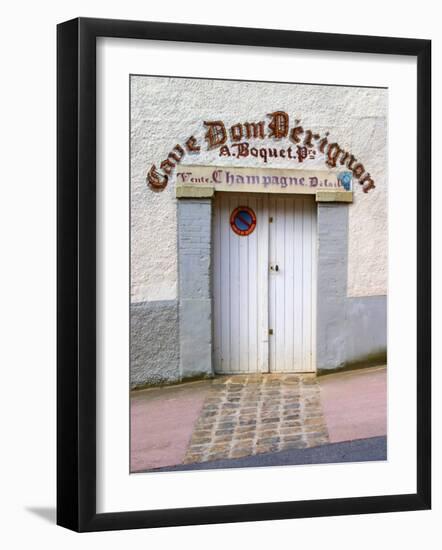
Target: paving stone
x=222, y=441
x=238, y=453
x=243, y=443
x=219, y=433
x=220, y=447
x=291, y=407
x=202, y=433
x=289, y=438
x=193, y=459
x=222, y=427
x=227, y=417
x=312, y=422
x=291, y=430
x=293, y=445
x=268, y=441
x=247, y=422
x=269, y=420
x=201, y=440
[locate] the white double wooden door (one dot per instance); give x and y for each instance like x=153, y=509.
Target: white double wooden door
x=264, y=285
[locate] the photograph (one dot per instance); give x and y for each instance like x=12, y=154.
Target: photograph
x=218, y=253
x=258, y=273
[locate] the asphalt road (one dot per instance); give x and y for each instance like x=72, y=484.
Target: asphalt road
x=359, y=450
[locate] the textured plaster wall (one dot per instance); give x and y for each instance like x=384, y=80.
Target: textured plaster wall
x=368, y=230
x=153, y=215
x=166, y=111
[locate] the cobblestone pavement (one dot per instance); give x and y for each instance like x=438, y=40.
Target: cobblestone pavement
x=249, y=414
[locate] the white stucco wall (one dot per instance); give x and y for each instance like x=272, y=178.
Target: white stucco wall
x=166, y=111
x=368, y=225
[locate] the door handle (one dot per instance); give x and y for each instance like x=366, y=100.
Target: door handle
x=274, y=268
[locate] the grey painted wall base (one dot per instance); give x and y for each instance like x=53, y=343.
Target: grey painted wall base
x=349, y=330
x=366, y=329
x=154, y=343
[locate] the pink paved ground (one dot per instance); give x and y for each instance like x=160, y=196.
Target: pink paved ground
x=162, y=421
x=354, y=403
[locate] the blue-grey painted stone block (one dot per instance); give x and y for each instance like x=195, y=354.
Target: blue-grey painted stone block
x=195, y=338
x=349, y=330
x=332, y=234
x=194, y=277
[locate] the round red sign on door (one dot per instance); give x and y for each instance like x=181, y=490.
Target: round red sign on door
x=243, y=220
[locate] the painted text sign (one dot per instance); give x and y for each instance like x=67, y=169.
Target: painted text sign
x=262, y=180
x=251, y=140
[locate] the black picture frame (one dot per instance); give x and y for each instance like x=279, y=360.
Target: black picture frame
x=76, y=274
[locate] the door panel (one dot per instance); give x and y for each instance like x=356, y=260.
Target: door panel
x=292, y=284
x=239, y=277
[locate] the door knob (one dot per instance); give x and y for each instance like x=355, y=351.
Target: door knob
x=274, y=268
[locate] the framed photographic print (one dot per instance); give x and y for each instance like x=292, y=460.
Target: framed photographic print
x=243, y=274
